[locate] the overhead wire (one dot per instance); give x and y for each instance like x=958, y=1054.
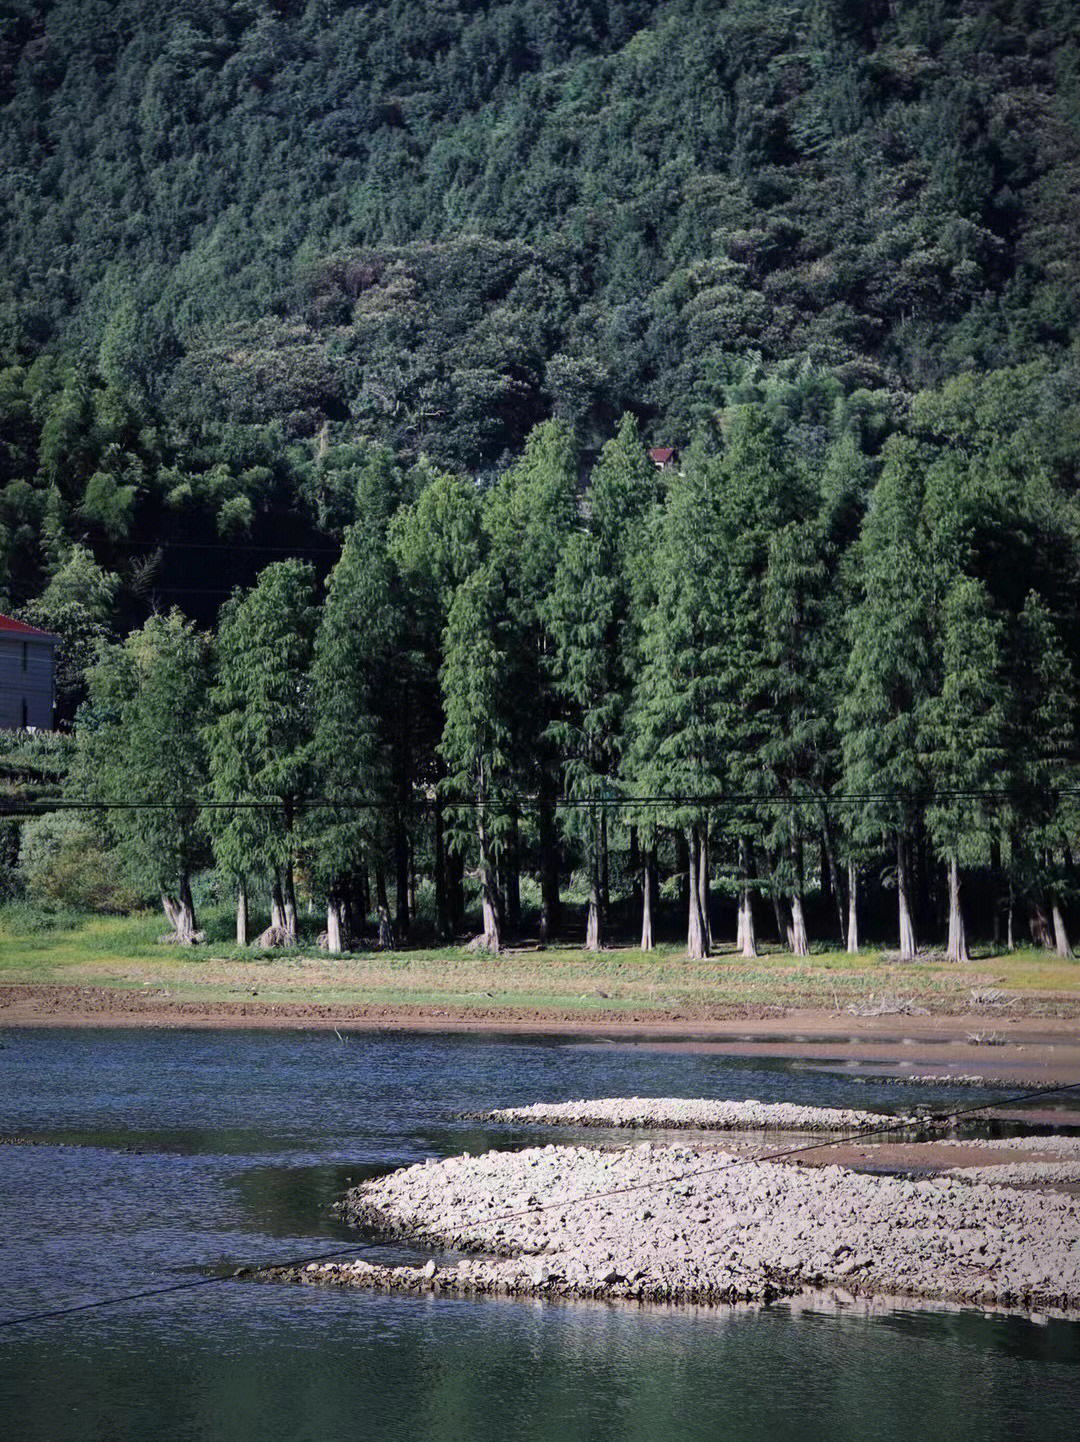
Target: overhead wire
x=705, y=801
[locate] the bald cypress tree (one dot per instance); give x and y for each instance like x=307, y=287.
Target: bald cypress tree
x=674, y=750
x=477, y=736
x=140, y=744
x=1042, y=768
x=586, y=672
x=259, y=738
x=760, y=493
x=889, y=673
x=528, y=518
x=353, y=687
x=796, y=755
x=965, y=741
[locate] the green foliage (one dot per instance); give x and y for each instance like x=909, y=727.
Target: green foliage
x=258, y=739
x=450, y=225
x=139, y=746
x=674, y=724
x=477, y=706
x=356, y=687
x=65, y=858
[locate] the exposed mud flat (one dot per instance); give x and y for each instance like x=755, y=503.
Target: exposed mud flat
x=698, y=1114
x=673, y=1223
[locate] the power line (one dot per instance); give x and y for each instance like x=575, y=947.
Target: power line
x=350, y=1249
x=996, y=795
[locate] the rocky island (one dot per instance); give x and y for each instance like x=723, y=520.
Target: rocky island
x=677, y=1223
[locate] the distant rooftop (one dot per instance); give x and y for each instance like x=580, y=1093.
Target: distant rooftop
x=661, y=455
x=10, y=627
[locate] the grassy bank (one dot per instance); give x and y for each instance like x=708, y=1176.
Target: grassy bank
x=126, y=953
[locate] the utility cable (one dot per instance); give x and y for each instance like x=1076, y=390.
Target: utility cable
x=350, y=1249
x=504, y=805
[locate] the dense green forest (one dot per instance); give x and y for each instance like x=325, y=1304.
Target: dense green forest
x=736, y=681
x=344, y=328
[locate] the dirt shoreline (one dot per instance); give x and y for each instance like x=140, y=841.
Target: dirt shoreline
x=996, y=1048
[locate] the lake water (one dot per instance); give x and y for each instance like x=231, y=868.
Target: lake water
x=160, y=1155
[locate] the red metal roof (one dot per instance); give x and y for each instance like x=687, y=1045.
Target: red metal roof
x=661, y=454
x=9, y=626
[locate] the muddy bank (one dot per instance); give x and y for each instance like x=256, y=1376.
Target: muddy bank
x=671, y=1223
x=697, y=1114
x=1039, y=1051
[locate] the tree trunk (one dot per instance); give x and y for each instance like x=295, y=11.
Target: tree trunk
x=853, y=907
x=799, y=944
x=828, y=879
x=512, y=887
x=549, y=872
x=783, y=931
x=442, y=900
x=696, y=946
x=491, y=936
x=921, y=875
x=1061, y=936
x=682, y=862
x=834, y=874
x=456, y=867
x=647, y=899
x=592, y=926
x=603, y=878
x=903, y=898
x=382, y=910
x=181, y=914
x=358, y=898
x=703, y=886
x=334, y=926
x=290, y=904
x=243, y=918
x=277, y=903
x=1040, y=930
x=189, y=926
x=746, y=941
x=957, y=949
x=401, y=880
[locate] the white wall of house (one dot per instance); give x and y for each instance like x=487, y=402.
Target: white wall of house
x=26, y=682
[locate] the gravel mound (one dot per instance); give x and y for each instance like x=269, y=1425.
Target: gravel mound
x=675, y=1223
x=699, y=1114
x=1018, y=1173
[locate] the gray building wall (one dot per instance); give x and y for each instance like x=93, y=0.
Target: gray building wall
x=26, y=682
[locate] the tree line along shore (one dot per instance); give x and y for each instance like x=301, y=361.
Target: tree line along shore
x=758, y=681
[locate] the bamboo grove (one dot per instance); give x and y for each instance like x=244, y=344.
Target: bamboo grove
x=791, y=684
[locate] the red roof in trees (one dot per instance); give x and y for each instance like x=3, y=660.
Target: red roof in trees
x=10, y=627
x=660, y=455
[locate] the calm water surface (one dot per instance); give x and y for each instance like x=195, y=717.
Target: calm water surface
x=160, y=1155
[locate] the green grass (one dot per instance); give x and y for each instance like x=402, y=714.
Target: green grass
x=65, y=947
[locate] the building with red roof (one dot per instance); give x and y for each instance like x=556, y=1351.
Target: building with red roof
x=662, y=457
x=27, y=676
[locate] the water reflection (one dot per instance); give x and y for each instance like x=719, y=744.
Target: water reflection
x=168, y=1152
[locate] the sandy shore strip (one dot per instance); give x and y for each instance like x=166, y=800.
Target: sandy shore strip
x=697, y=1114
x=672, y=1223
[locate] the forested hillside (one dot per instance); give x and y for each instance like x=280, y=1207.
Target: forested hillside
x=437, y=223
x=344, y=328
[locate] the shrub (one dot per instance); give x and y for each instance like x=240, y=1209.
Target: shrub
x=63, y=857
